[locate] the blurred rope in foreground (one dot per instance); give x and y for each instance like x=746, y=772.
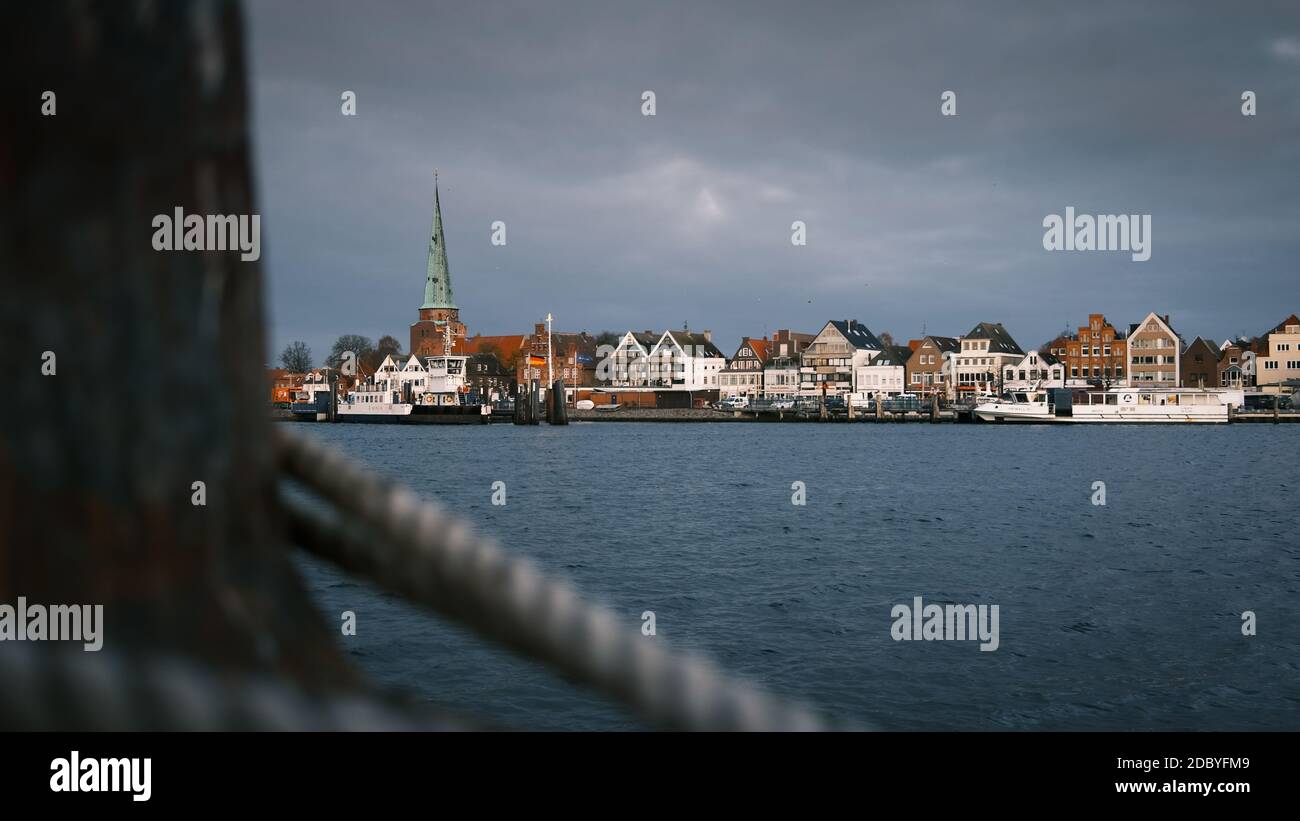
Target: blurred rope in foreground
x=416, y=549
x=71, y=690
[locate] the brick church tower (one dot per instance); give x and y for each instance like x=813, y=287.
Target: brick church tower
x=439, y=312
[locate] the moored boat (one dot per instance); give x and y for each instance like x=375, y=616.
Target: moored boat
x=312, y=399
x=1125, y=405
x=368, y=399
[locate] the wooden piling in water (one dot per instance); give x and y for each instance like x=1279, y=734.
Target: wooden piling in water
x=559, y=414
x=332, y=379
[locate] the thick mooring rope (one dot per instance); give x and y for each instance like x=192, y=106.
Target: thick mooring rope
x=71, y=690
x=415, y=548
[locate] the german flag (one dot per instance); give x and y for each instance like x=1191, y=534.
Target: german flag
x=535, y=361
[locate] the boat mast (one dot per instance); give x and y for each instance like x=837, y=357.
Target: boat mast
x=550, y=375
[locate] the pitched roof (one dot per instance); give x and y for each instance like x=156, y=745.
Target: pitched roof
x=1059, y=341
x=945, y=343
x=1046, y=357
x=760, y=347
x=565, y=342
x=507, y=344
x=1205, y=343
x=1281, y=326
x=892, y=355
x=795, y=336
x=999, y=340
x=489, y=359
x=1133, y=327
x=698, y=344
x=646, y=339
x=858, y=335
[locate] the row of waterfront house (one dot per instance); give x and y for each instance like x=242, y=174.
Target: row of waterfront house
x=679, y=367
x=845, y=357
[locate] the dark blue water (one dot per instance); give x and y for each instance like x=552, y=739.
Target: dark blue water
x=1123, y=616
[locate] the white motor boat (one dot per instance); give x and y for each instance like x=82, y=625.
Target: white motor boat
x=1126, y=405
x=372, y=400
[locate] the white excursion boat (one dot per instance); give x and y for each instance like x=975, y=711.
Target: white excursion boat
x=369, y=399
x=1114, y=405
x=433, y=387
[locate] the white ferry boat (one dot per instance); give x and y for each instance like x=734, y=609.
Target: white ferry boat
x=443, y=382
x=433, y=386
x=1127, y=405
x=369, y=399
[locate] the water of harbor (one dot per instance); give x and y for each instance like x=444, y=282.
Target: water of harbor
x=1122, y=616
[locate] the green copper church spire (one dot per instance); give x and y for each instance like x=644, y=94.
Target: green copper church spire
x=437, y=284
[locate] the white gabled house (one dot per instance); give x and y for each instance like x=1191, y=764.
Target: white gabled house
x=673, y=360
x=885, y=375
x=629, y=364
x=1034, y=371
x=686, y=361
x=1155, y=351
x=398, y=370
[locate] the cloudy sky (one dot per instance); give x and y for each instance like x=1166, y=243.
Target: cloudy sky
x=769, y=113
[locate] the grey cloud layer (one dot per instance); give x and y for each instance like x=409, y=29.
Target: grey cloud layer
x=768, y=113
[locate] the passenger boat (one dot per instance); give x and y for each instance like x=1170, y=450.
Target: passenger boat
x=433, y=391
x=1126, y=405
x=442, y=385
x=368, y=399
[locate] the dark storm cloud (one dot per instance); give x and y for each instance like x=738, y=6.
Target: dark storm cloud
x=768, y=114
